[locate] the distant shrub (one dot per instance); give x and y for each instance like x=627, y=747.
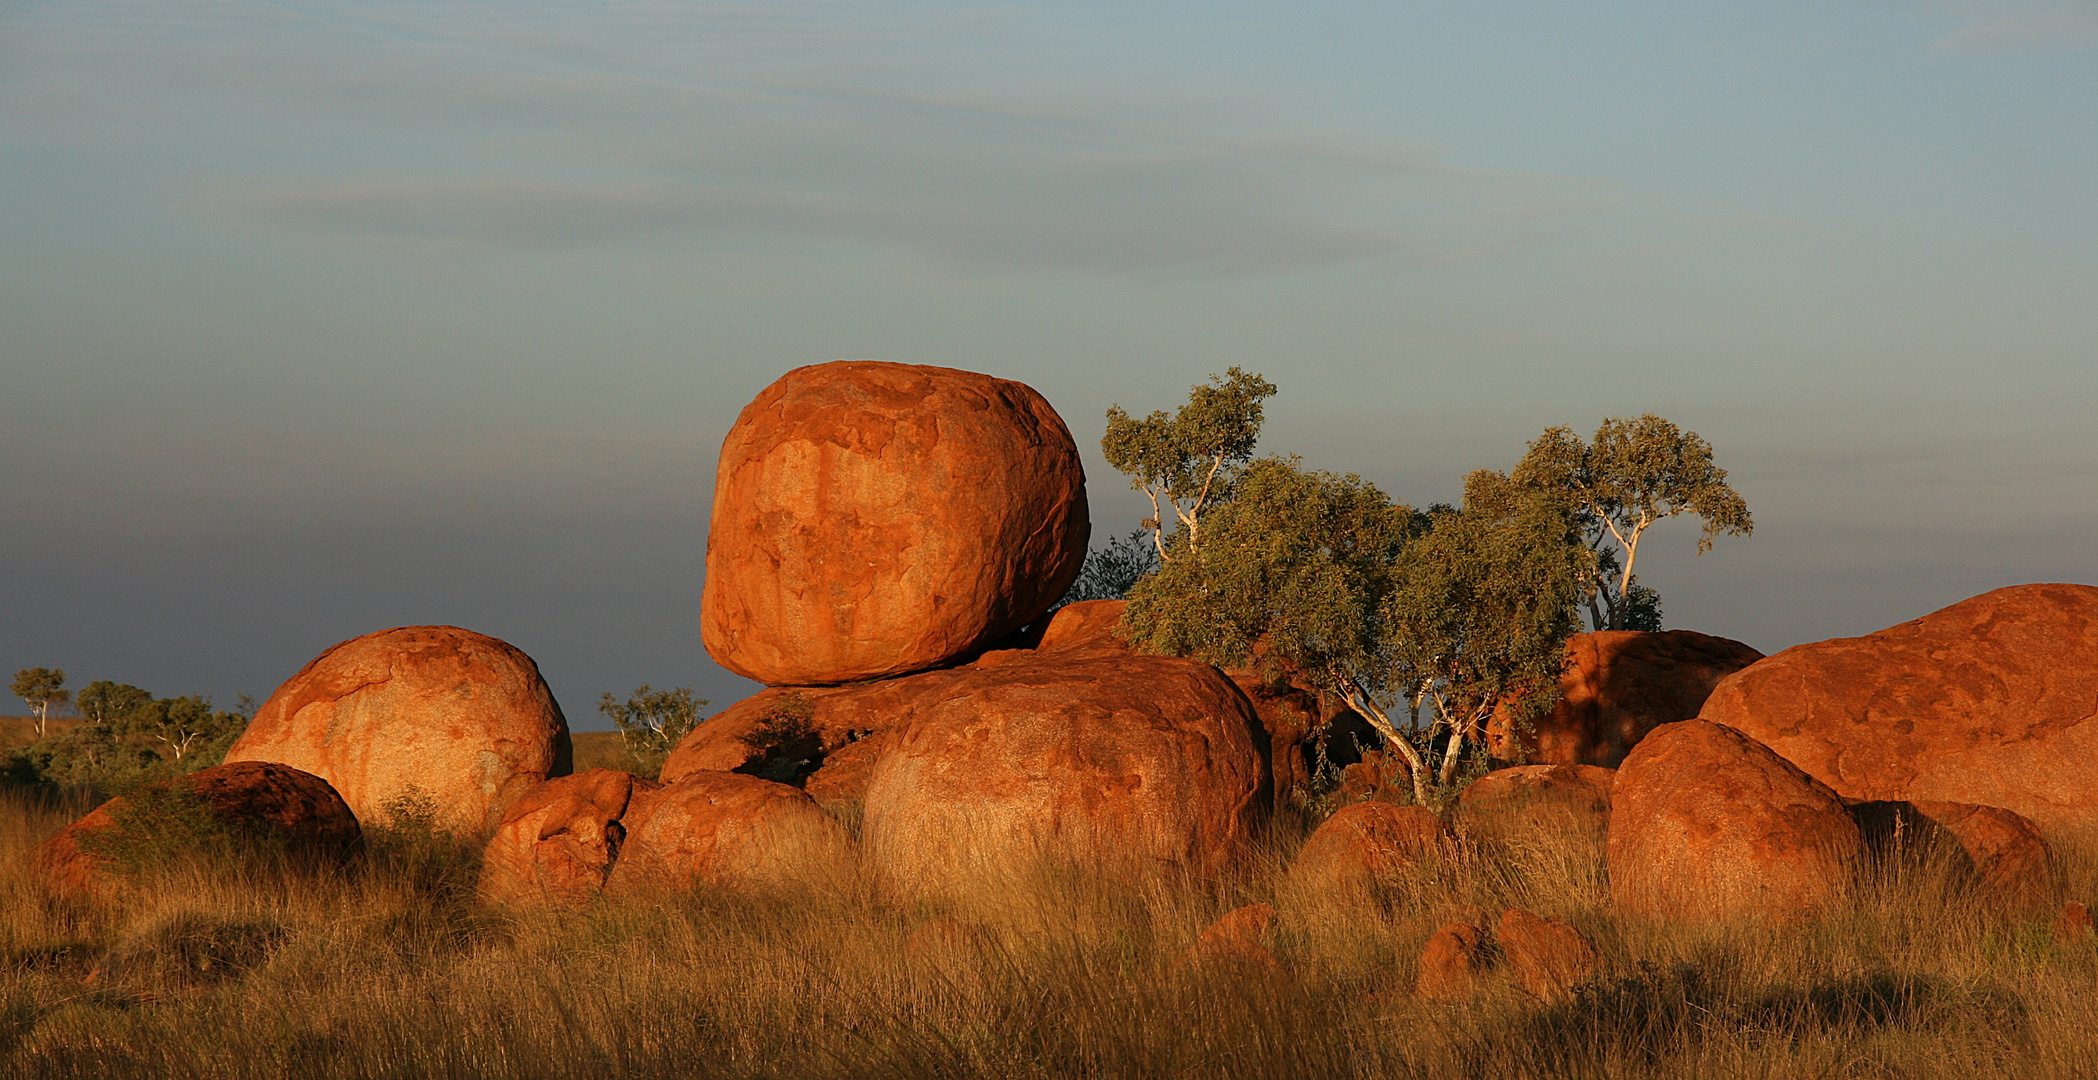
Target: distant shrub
x=784, y=742
x=652, y=722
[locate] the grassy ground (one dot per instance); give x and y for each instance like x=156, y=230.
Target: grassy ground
x=389, y=969
x=601, y=749
x=21, y=730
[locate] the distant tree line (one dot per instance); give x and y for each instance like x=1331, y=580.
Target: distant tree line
x=125, y=736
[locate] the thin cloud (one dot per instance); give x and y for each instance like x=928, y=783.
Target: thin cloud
x=1996, y=27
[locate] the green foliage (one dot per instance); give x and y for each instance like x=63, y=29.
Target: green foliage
x=128, y=737
x=1633, y=474
x=1110, y=572
x=41, y=688
x=1424, y=622
x=651, y=722
x=1189, y=460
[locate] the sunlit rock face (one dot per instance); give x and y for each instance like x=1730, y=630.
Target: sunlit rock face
x=874, y=519
x=1992, y=701
x=456, y=720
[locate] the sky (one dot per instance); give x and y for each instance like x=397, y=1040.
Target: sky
x=321, y=318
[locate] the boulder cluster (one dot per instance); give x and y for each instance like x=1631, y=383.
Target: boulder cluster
x=886, y=547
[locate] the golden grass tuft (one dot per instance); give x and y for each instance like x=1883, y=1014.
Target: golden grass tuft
x=389, y=968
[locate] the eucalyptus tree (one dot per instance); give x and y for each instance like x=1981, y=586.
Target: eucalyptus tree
x=1188, y=462
x=1423, y=622
x=41, y=688
x=1634, y=474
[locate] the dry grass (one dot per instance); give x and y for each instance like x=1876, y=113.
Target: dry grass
x=602, y=750
x=389, y=969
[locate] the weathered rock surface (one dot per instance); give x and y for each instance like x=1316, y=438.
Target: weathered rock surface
x=2005, y=852
x=1618, y=685
x=727, y=831
x=1451, y=963
x=262, y=805
x=1707, y=823
x=847, y=727
x=1085, y=625
x=1992, y=701
x=1361, y=847
x=461, y=718
x=1547, y=957
x=1120, y=765
x=558, y=843
x=1571, y=801
x=873, y=519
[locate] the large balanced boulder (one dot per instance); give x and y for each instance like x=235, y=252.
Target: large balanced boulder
x=1708, y=824
x=418, y=712
x=558, y=843
x=732, y=832
x=1125, y=766
x=872, y=519
x=248, y=809
x=1992, y=701
x=1617, y=686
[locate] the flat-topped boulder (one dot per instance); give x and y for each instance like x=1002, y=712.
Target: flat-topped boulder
x=1617, y=686
x=1113, y=764
x=1708, y=824
x=873, y=519
x=1992, y=701
x=419, y=712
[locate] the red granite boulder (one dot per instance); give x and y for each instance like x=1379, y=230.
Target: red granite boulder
x=721, y=830
x=2006, y=853
x=257, y=807
x=1992, y=701
x=1706, y=823
x=1239, y=938
x=558, y=843
x=873, y=519
x=1127, y=766
x=1546, y=956
x=1452, y=963
x=1353, y=854
x=1617, y=686
x=1569, y=801
x=456, y=717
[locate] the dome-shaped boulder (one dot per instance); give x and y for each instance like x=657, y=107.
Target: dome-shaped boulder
x=872, y=519
x=728, y=831
x=1119, y=765
x=1706, y=824
x=1617, y=686
x=432, y=712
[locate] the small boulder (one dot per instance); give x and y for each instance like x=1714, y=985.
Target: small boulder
x=1451, y=963
x=1085, y=626
x=1547, y=957
x=727, y=831
x=453, y=716
x=253, y=807
x=1617, y=686
x=1239, y=937
x=558, y=844
x=1354, y=853
x=1120, y=765
x=873, y=519
x=1986, y=702
x=1538, y=800
x=1707, y=823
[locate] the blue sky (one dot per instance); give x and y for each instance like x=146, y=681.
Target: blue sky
x=322, y=318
